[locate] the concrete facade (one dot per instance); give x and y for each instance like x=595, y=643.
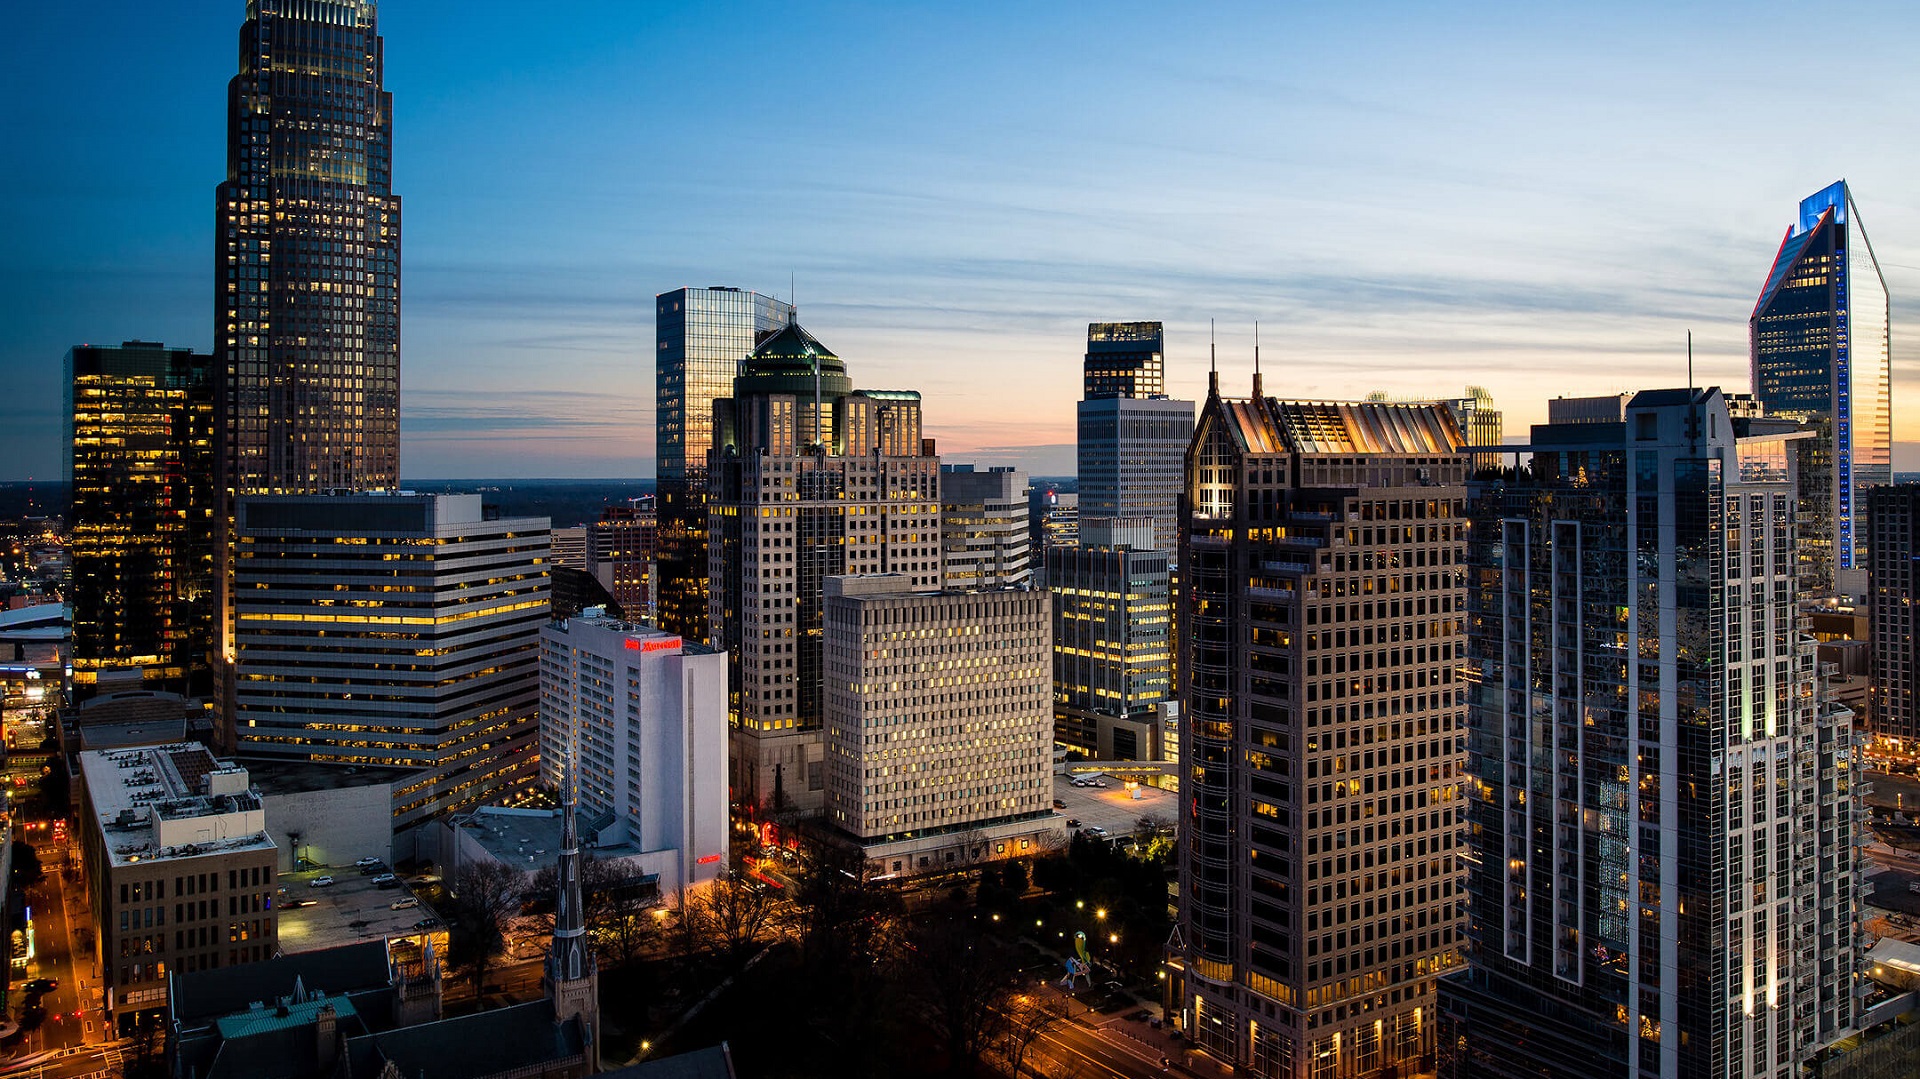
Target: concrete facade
x=939, y=733
x=643, y=716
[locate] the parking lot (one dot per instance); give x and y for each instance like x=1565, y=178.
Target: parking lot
x=1113, y=807
x=352, y=908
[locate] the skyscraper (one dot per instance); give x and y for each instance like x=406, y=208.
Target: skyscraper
x=983, y=525
x=397, y=630
x=701, y=336
x=1112, y=640
x=140, y=466
x=1125, y=359
x=1820, y=343
x=1893, y=596
x=620, y=555
x=957, y=681
x=1132, y=454
x=307, y=256
x=809, y=479
x=1662, y=878
x=1320, y=633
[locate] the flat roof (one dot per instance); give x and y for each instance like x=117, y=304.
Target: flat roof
x=137, y=792
x=303, y=777
x=351, y=910
x=526, y=839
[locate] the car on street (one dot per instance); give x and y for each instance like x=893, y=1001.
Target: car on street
x=1073, y=822
x=1059, y=803
x=40, y=986
x=320, y=882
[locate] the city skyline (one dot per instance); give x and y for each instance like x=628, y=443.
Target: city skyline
x=973, y=207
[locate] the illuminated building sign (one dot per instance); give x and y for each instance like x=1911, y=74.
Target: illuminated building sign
x=656, y=644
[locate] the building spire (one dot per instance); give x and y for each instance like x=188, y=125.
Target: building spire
x=1213, y=364
x=569, y=957
x=1258, y=391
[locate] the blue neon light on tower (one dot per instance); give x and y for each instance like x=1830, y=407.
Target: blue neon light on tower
x=1821, y=352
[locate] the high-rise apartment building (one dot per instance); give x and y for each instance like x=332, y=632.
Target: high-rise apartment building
x=141, y=471
x=307, y=256
x=620, y=554
x=1132, y=457
x=396, y=630
x=1893, y=594
x=1112, y=641
x=640, y=718
x=1822, y=354
x=983, y=524
x=1661, y=823
x=809, y=479
x=939, y=737
x=700, y=337
x=1125, y=359
x=1321, y=631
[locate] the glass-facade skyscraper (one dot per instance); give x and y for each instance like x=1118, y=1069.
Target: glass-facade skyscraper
x=1661, y=812
x=307, y=256
x=1820, y=343
x=701, y=336
x=1125, y=359
x=140, y=466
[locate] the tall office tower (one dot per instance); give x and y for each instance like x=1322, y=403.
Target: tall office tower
x=307, y=256
x=1125, y=359
x=983, y=525
x=398, y=630
x=1112, y=641
x=1132, y=452
x=1661, y=826
x=939, y=742
x=620, y=555
x=701, y=336
x=140, y=467
x=1893, y=593
x=809, y=479
x=1320, y=631
x=1819, y=338
x=641, y=717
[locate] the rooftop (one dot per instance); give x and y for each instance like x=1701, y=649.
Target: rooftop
x=526, y=839
x=353, y=910
x=172, y=801
x=302, y=777
x=204, y=996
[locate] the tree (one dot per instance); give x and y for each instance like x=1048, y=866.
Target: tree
x=1028, y=1016
x=851, y=939
x=145, y=1060
x=964, y=979
x=484, y=895
x=27, y=870
x=617, y=905
x=737, y=912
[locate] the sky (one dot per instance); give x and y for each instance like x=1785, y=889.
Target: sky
x=1539, y=199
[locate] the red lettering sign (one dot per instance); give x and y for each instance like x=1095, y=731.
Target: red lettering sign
x=656, y=644
x=709, y=859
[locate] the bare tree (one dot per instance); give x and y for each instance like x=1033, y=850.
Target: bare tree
x=964, y=980
x=484, y=895
x=1028, y=1016
x=738, y=913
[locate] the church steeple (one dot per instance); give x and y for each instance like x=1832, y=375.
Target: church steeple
x=572, y=977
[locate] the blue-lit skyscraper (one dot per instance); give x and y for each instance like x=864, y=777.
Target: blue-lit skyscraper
x=1821, y=350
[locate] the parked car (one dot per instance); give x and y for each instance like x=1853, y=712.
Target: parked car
x=425, y=923
x=1059, y=803
x=386, y=880
x=320, y=882
x=1073, y=822
x=366, y=863
x=404, y=904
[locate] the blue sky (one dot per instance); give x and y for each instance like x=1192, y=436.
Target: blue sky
x=1409, y=197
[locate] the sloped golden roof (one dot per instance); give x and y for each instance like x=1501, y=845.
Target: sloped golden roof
x=1366, y=427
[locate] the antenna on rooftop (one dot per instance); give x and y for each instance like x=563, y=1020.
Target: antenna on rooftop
x=1213, y=362
x=1258, y=390
x=1689, y=361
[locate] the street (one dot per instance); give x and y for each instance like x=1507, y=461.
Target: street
x=58, y=909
